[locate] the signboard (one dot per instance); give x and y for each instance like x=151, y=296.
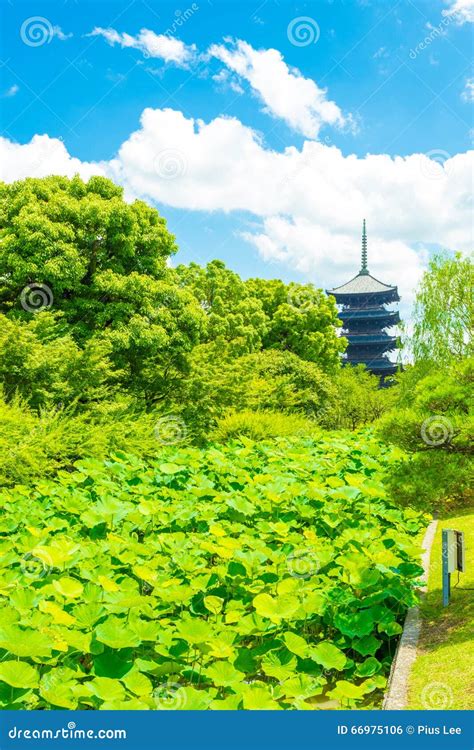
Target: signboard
x=453, y=559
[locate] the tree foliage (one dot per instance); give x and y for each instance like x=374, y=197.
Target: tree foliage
x=102, y=264
x=90, y=308
x=302, y=320
x=358, y=399
x=233, y=315
x=435, y=424
x=444, y=310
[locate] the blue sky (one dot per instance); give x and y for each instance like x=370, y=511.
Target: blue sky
x=397, y=75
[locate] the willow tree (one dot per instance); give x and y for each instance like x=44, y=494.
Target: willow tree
x=444, y=310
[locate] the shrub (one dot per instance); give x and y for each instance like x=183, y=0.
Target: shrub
x=358, y=400
x=35, y=445
x=435, y=423
x=261, y=425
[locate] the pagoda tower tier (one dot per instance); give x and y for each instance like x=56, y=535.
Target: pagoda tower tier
x=362, y=310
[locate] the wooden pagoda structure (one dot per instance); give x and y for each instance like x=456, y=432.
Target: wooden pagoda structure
x=365, y=318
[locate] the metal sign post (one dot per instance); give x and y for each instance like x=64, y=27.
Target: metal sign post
x=453, y=559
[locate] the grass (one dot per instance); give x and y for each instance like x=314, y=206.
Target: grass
x=443, y=674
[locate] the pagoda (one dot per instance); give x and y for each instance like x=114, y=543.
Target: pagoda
x=365, y=318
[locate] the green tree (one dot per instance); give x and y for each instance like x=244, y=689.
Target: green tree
x=359, y=400
x=436, y=427
x=444, y=310
x=269, y=380
x=302, y=320
x=101, y=264
x=233, y=314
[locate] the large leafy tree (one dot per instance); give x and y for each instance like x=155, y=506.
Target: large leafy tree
x=233, y=314
x=301, y=319
x=444, y=310
x=101, y=265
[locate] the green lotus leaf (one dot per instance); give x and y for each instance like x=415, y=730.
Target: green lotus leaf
x=170, y=468
x=348, y=690
x=391, y=628
x=275, y=608
x=328, y=655
x=256, y=698
x=106, y=688
x=360, y=623
x=138, y=684
x=18, y=674
x=59, y=695
x=296, y=644
x=367, y=645
x=194, y=630
x=68, y=587
x=115, y=633
x=223, y=674
x=231, y=703
x=369, y=667
x=25, y=642
x=213, y=604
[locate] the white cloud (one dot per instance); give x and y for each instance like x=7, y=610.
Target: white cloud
x=59, y=34
x=468, y=93
x=286, y=94
x=40, y=157
x=225, y=80
x=162, y=46
x=307, y=204
x=462, y=9
x=11, y=91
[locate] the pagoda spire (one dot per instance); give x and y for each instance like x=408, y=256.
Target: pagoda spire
x=364, y=270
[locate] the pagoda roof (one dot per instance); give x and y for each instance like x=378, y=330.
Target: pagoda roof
x=363, y=283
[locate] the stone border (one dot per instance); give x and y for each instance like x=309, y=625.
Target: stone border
x=397, y=689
